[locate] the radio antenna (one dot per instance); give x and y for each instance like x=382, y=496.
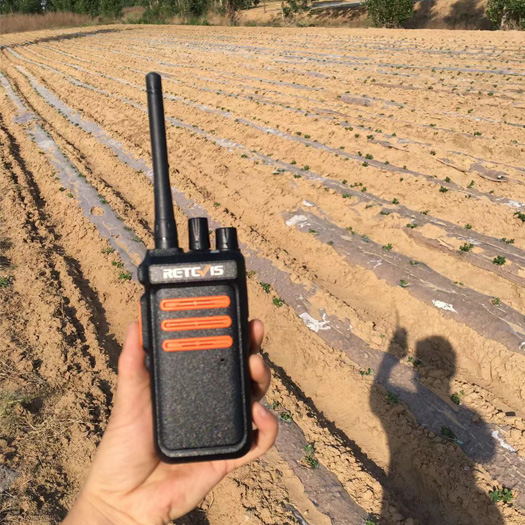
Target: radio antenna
x=165, y=226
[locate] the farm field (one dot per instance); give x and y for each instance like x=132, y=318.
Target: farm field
x=377, y=181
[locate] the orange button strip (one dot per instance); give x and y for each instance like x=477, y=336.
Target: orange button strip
x=194, y=303
x=196, y=323
x=197, y=343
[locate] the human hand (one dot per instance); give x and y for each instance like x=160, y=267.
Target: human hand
x=127, y=483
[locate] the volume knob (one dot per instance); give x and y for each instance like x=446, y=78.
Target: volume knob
x=198, y=234
x=226, y=239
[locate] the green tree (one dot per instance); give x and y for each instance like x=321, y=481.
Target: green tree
x=507, y=14
x=291, y=8
x=389, y=13
x=111, y=8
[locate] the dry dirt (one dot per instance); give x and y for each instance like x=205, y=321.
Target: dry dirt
x=378, y=185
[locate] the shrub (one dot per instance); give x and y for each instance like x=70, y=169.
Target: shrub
x=507, y=14
x=389, y=13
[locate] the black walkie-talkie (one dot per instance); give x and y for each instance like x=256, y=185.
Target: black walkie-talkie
x=194, y=317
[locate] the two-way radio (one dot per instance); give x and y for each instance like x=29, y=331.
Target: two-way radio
x=194, y=317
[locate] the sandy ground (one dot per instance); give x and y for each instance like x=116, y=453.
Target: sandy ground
x=377, y=182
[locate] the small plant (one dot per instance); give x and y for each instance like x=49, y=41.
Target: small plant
x=285, y=415
x=124, y=276
x=387, y=247
x=395, y=201
x=368, y=156
x=5, y=282
x=477, y=133
x=346, y=195
x=471, y=185
x=456, y=398
x=384, y=212
x=330, y=243
x=107, y=251
x=468, y=227
x=499, y=260
x=392, y=398
x=425, y=212
x=127, y=228
x=447, y=179
x=403, y=283
x=309, y=456
x=305, y=167
x=367, y=372
x=503, y=494
x=507, y=241
x=448, y=433
x=365, y=164
x=118, y=264
x=216, y=204
x=520, y=216
x=297, y=176
x=412, y=225
x=466, y=247
x=277, y=301
x=344, y=181
x=432, y=152
x=443, y=189
x=313, y=232
x=496, y=301
x=413, y=263
x=265, y=287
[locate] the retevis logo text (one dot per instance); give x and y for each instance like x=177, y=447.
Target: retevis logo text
x=193, y=271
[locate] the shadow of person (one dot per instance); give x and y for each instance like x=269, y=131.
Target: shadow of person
x=429, y=477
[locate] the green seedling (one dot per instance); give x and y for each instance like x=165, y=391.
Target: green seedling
x=277, y=301
x=365, y=164
x=507, y=241
x=412, y=225
x=363, y=189
x=448, y=433
x=124, y=276
x=297, y=176
x=471, y=185
x=216, y=204
x=313, y=232
x=118, y=264
x=395, y=201
x=127, y=228
x=468, y=227
x=346, y=195
x=425, y=212
x=305, y=167
x=456, y=398
x=413, y=263
x=403, y=283
x=432, y=152
x=61, y=189
x=285, y=415
x=5, y=282
x=265, y=287
x=383, y=212
x=503, y=494
x=365, y=238
x=466, y=247
x=367, y=372
x=309, y=456
x=392, y=398
x=447, y=179
x=477, y=133
x=443, y=189
x=330, y=243
x=496, y=301
x=520, y=216
x=369, y=157
x=107, y=251
x=499, y=260
x=275, y=405
x=344, y=181
x=387, y=247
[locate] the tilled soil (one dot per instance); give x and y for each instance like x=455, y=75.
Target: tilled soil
x=377, y=182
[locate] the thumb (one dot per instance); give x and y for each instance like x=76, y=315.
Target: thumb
x=133, y=380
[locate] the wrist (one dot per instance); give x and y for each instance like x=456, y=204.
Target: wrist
x=91, y=510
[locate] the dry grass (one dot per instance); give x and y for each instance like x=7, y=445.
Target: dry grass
x=18, y=23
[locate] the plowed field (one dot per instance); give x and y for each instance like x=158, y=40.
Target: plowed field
x=377, y=181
